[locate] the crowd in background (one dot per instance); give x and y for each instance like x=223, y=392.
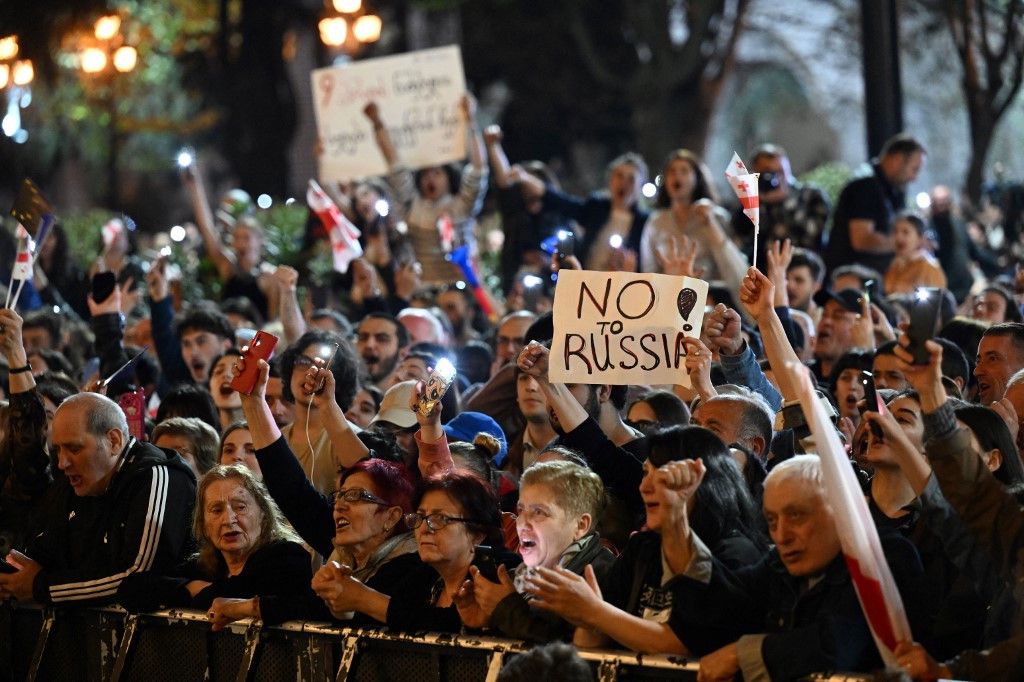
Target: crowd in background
x=687, y=520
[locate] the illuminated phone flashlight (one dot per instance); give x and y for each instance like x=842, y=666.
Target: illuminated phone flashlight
x=445, y=368
x=532, y=281
x=615, y=241
x=564, y=234
x=382, y=208
x=921, y=294
x=165, y=251
x=185, y=158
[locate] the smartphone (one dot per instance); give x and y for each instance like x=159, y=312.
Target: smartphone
x=261, y=348
x=924, y=321
x=438, y=383
x=483, y=559
x=326, y=366
x=103, y=284
x=871, y=290
x=133, y=404
x=871, y=401
x=566, y=245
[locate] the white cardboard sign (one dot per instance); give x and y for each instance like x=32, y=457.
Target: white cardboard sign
x=624, y=327
x=418, y=94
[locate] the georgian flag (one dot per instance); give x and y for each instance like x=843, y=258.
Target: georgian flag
x=344, y=235
x=876, y=590
x=744, y=184
x=23, y=261
x=446, y=231
x=111, y=231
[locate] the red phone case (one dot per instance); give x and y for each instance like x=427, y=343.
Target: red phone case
x=133, y=404
x=260, y=348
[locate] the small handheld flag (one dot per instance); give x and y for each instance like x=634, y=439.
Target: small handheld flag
x=343, y=234
x=744, y=184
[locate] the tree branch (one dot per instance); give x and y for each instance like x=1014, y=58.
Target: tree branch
x=591, y=57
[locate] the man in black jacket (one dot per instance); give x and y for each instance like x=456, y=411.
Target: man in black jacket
x=124, y=507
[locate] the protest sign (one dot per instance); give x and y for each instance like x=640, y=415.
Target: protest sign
x=624, y=327
x=418, y=95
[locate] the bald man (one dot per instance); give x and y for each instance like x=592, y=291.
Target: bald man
x=123, y=507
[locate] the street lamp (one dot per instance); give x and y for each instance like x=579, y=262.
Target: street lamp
x=348, y=26
x=104, y=56
x=16, y=77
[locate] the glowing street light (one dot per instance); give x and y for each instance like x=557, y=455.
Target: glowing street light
x=349, y=26
x=125, y=58
x=8, y=48
x=107, y=27
x=93, y=60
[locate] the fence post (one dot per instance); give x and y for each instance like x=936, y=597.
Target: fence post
x=131, y=621
x=348, y=654
x=40, y=650
x=252, y=640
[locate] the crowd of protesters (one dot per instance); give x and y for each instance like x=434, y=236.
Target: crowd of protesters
x=691, y=520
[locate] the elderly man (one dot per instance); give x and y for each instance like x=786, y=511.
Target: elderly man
x=124, y=507
x=797, y=610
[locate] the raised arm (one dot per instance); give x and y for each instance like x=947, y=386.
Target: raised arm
x=348, y=449
x=381, y=135
x=221, y=256
x=757, y=294
x=496, y=154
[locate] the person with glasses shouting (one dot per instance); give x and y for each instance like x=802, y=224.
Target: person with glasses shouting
x=360, y=526
x=455, y=512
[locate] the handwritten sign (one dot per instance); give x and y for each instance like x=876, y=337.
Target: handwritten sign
x=624, y=327
x=418, y=94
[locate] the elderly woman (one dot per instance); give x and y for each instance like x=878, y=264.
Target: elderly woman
x=559, y=504
x=455, y=513
x=249, y=564
x=361, y=526
x=635, y=605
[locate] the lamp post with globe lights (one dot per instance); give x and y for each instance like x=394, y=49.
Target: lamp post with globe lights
x=348, y=26
x=104, y=58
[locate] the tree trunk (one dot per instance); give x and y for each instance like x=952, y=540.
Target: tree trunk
x=982, y=129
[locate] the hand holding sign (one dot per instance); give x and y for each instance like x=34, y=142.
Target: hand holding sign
x=624, y=328
x=698, y=366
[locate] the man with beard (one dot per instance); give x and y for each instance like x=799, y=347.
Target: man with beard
x=186, y=350
x=459, y=310
x=862, y=224
x=380, y=339
x=840, y=310
x=538, y=432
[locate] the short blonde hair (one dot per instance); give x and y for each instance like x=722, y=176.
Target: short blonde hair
x=577, y=489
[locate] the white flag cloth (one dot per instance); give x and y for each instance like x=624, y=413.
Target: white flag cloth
x=23, y=262
x=344, y=235
x=111, y=230
x=876, y=590
x=744, y=184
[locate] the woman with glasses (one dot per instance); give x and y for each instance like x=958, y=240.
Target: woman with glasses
x=249, y=564
x=360, y=526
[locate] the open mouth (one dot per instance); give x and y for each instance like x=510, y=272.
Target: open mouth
x=75, y=481
x=342, y=524
x=225, y=390
x=527, y=544
x=232, y=535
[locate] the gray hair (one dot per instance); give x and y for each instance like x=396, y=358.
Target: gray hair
x=101, y=413
x=756, y=420
x=205, y=439
x=806, y=468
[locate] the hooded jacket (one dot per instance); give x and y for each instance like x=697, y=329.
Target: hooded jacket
x=143, y=522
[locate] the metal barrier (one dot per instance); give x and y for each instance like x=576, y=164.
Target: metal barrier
x=110, y=644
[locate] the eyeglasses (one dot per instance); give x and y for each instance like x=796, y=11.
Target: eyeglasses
x=353, y=495
x=302, y=362
x=435, y=521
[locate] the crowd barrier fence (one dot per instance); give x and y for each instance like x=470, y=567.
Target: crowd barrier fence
x=110, y=644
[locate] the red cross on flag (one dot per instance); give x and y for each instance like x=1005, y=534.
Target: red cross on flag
x=744, y=183
x=23, y=262
x=344, y=235
x=446, y=231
